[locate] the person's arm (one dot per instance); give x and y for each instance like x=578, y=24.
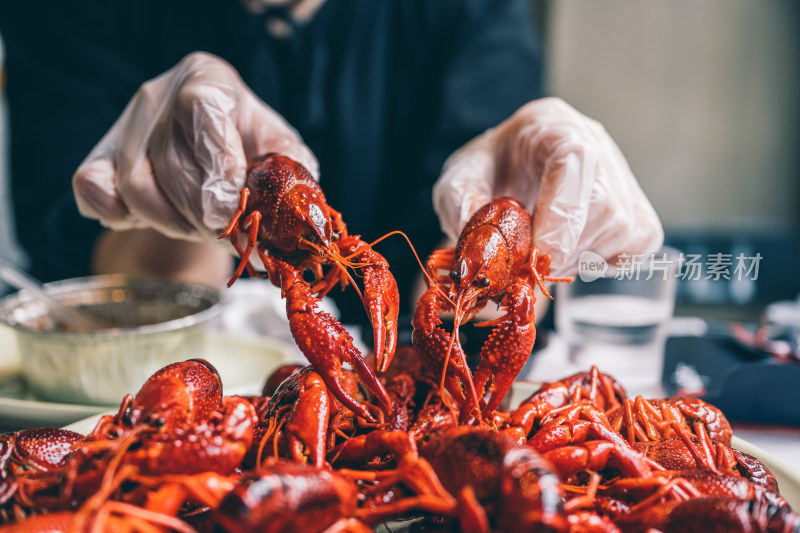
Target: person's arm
x=173, y=161
x=151, y=254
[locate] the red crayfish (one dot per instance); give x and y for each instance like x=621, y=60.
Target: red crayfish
x=598, y=389
x=181, y=422
x=174, y=442
x=173, y=459
x=292, y=229
x=284, y=496
x=494, y=259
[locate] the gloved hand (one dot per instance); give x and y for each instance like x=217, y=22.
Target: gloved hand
x=567, y=170
x=175, y=160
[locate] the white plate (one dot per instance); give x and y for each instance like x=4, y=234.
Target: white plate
x=243, y=363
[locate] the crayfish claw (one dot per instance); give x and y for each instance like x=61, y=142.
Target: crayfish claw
x=383, y=315
x=325, y=342
x=330, y=375
x=381, y=297
x=372, y=383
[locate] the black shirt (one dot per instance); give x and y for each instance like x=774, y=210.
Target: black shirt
x=382, y=91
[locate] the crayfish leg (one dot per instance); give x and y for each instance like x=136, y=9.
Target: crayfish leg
x=441, y=259
x=254, y=222
x=472, y=516
x=232, y=232
x=244, y=194
x=540, y=271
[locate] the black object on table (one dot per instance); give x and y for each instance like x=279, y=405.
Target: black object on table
x=747, y=385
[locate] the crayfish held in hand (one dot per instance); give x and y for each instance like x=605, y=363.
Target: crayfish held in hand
x=495, y=260
x=293, y=230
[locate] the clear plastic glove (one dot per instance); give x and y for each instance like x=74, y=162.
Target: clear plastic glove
x=567, y=170
x=176, y=158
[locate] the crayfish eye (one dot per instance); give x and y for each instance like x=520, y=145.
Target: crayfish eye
x=454, y=275
x=483, y=282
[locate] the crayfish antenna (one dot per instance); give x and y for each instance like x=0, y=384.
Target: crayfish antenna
x=457, y=318
x=340, y=263
x=333, y=255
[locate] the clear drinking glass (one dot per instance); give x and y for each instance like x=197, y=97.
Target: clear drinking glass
x=616, y=317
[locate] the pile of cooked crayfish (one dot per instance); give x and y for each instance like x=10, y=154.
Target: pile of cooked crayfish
x=578, y=455
x=406, y=436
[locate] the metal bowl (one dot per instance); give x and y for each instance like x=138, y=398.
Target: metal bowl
x=155, y=322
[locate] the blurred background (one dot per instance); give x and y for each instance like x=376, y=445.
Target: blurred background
x=8, y=246
x=702, y=97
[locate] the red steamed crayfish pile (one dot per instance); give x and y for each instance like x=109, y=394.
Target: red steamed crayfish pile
x=420, y=443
